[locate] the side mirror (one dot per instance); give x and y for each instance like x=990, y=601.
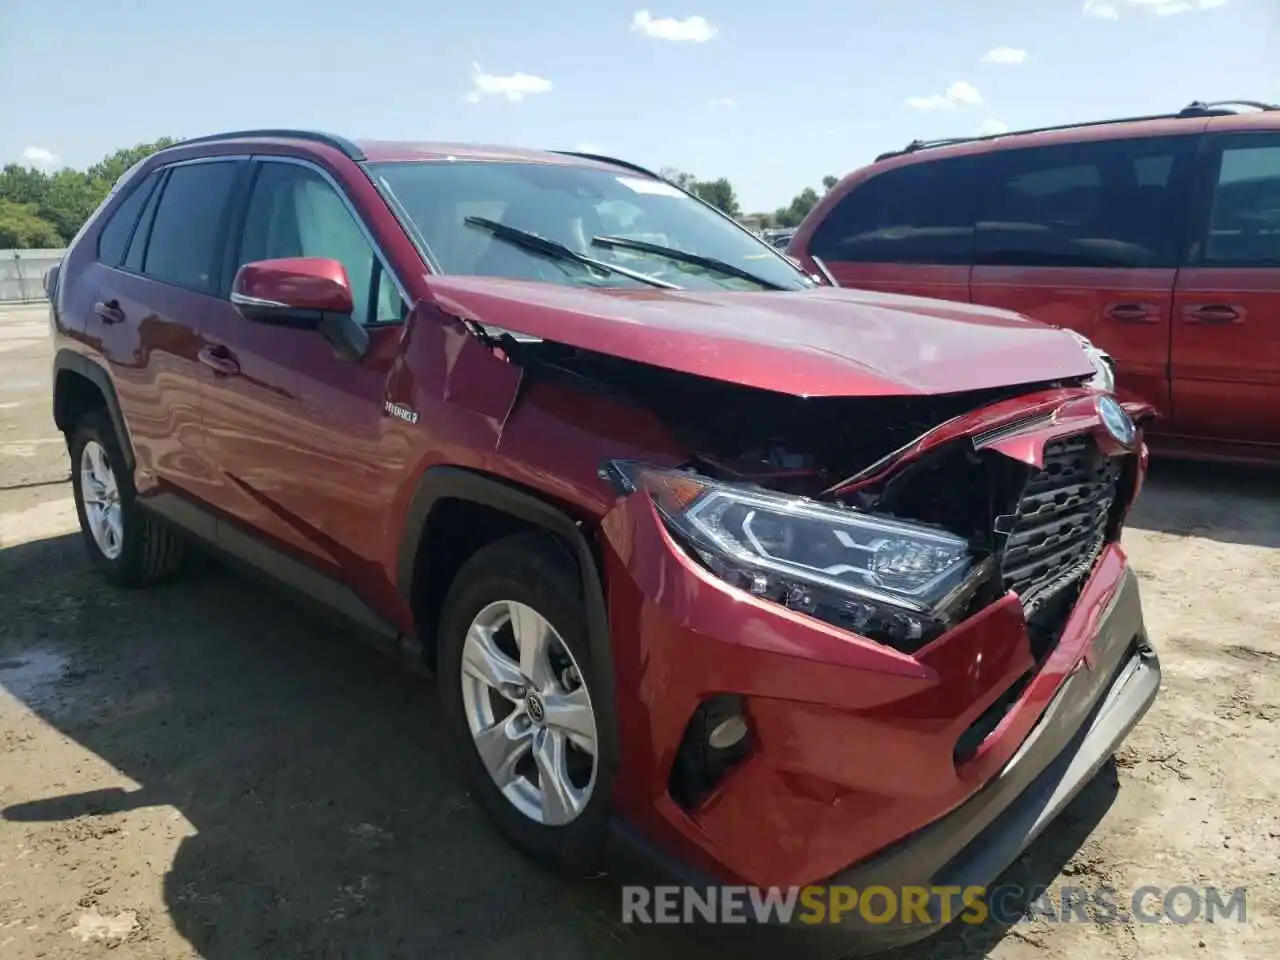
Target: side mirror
x=306, y=293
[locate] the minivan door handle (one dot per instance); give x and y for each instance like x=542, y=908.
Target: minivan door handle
x=220, y=360
x=1214, y=313
x=109, y=311
x=1134, y=312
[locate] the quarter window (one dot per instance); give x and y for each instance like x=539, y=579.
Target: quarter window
x=183, y=245
x=920, y=213
x=1244, y=218
x=295, y=212
x=119, y=226
x=1101, y=204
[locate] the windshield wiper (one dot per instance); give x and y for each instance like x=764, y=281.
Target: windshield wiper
x=682, y=256
x=558, y=251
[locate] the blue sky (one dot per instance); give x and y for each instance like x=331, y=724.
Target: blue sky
x=772, y=95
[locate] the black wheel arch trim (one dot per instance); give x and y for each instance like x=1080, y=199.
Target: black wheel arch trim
x=69, y=361
x=458, y=483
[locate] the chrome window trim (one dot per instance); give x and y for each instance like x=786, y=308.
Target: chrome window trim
x=376, y=247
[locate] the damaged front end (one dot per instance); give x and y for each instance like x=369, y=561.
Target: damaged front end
x=1012, y=494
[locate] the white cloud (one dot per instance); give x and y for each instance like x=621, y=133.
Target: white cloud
x=991, y=128
x=1005, y=55
x=690, y=30
x=513, y=86
x=723, y=102
x=959, y=94
x=40, y=156
x=1111, y=9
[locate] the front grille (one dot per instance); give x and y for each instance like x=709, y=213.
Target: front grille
x=1061, y=522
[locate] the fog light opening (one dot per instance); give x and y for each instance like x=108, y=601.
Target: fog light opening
x=717, y=739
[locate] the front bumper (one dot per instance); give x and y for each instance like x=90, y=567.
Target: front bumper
x=857, y=755
x=1093, y=711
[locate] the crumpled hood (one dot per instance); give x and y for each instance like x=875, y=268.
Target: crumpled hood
x=825, y=341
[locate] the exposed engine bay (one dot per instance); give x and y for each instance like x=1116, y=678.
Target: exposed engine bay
x=922, y=549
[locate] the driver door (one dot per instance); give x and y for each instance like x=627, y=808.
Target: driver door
x=295, y=434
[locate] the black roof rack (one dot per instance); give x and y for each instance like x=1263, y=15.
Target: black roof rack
x=600, y=158
x=1197, y=108
x=316, y=136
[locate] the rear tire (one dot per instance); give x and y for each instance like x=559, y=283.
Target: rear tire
x=516, y=680
x=130, y=547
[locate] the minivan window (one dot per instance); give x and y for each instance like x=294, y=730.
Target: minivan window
x=1244, y=223
x=578, y=207
x=921, y=213
x=119, y=226
x=182, y=248
x=1110, y=203
x=295, y=212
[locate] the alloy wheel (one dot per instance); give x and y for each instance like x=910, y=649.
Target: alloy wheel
x=529, y=712
x=101, y=495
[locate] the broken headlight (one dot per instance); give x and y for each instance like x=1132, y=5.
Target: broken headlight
x=893, y=581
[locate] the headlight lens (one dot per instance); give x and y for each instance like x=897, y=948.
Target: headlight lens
x=894, y=581
x=1104, y=379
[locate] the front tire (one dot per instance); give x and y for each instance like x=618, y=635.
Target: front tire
x=516, y=686
x=131, y=548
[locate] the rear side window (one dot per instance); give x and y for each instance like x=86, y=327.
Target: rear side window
x=921, y=213
x=183, y=248
x=119, y=226
x=1244, y=215
x=1113, y=203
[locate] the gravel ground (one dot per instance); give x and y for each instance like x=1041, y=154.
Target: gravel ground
x=204, y=770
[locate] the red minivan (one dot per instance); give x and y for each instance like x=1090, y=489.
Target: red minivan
x=1157, y=238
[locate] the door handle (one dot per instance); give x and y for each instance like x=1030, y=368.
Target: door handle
x=219, y=360
x=1219, y=313
x=1133, y=313
x=109, y=311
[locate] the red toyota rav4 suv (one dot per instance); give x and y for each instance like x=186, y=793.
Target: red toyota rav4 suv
x=777, y=582
x=1156, y=238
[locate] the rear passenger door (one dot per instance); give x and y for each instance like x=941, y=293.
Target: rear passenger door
x=1088, y=236
x=1226, y=331
x=296, y=433
x=162, y=253
x=906, y=229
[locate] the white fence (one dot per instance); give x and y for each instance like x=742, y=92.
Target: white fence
x=22, y=274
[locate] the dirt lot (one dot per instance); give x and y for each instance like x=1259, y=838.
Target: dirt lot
x=202, y=770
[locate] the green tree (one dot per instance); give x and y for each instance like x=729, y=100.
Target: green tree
x=719, y=193
x=793, y=213
x=64, y=200
x=21, y=227
x=828, y=182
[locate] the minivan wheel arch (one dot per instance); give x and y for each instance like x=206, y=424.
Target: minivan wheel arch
x=444, y=483
x=77, y=364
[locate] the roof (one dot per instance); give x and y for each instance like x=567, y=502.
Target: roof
x=402, y=150
x=1194, y=116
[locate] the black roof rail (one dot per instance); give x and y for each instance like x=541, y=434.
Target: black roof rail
x=316, y=136
x=1197, y=108
x=600, y=158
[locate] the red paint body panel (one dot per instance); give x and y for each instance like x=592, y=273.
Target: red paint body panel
x=1226, y=371
x=1088, y=300
x=836, y=342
